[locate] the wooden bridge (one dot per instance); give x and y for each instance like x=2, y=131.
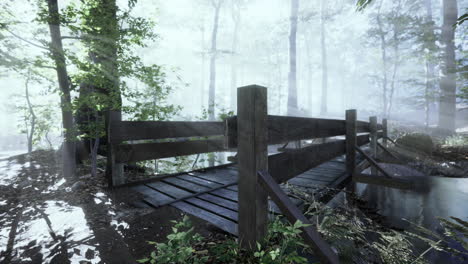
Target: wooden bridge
x=234, y=197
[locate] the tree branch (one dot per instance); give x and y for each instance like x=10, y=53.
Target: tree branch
x=25, y=40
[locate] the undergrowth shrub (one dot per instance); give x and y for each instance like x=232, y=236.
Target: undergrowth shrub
x=355, y=236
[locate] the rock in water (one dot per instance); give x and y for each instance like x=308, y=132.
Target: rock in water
x=418, y=141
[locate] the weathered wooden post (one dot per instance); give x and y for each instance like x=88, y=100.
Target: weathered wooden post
x=350, y=141
x=252, y=157
x=385, y=131
x=114, y=170
x=373, y=140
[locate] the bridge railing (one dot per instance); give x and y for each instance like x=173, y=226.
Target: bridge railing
x=129, y=141
x=252, y=130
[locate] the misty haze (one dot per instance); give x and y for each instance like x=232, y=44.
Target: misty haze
x=233, y=131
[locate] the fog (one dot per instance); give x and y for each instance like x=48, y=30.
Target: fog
x=260, y=56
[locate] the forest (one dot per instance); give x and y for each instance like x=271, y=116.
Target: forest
x=233, y=131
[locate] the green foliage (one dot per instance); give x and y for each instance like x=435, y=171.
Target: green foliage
x=281, y=246
x=179, y=246
x=456, y=140
x=357, y=237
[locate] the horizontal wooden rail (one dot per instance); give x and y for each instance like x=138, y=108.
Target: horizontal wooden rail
x=362, y=126
x=286, y=165
x=147, y=151
x=141, y=130
x=310, y=235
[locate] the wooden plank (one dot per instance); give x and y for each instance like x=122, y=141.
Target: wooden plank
x=220, y=222
x=351, y=141
x=152, y=196
x=196, y=194
x=319, y=178
x=252, y=156
x=219, y=201
x=227, y=194
x=213, y=208
x=307, y=183
x=217, y=176
x=293, y=214
x=286, y=165
x=199, y=181
x=140, y=130
x=147, y=151
x=189, y=186
x=169, y=190
x=392, y=182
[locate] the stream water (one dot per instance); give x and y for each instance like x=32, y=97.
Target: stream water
x=434, y=197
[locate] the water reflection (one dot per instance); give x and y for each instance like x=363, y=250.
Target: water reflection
x=434, y=197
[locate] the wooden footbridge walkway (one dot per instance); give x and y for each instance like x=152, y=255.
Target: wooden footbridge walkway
x=238, y=197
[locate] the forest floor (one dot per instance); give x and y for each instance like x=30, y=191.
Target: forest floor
x=45, y=218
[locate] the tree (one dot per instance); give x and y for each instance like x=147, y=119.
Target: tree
x=447, y=109
x=58, y=55
x=292, y=77
x=431, y=48
x=236, y=18
x=323, y=52
x=213, y=55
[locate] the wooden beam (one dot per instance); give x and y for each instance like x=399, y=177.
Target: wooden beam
x=310, y=235
x=141, y=130
x=385, y=131
x=392, y=182
x=114, y=168
x=252, y=156
x=362, y=166
x=286, y=128
x=350, y=141
x=147, y=151
x=373, y=140
x=387, y=151
x=373, y=162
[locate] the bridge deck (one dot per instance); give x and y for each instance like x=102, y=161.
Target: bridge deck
x=212, y=195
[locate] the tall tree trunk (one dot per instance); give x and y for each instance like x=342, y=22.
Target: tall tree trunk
x=447, y=108
x=68, y=150
x=213, y=51
x=396, y=58
x=323, y=48
x=32, y=116
x=292, y=78
x=383, y=48
x=235, y=39
x=203, y=65
x=430, y=66
x=309, y=74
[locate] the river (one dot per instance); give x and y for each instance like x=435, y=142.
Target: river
x=434, y=197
